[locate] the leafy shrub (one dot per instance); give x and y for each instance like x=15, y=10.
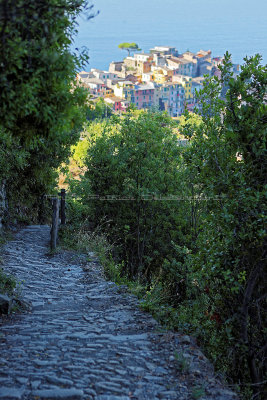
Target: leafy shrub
x=225, y=297
x=7, y=283
x=201, y=260
x=131, y=158
x=42, y=107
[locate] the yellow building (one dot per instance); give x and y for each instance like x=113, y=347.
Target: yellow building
x=162, y=75
x=188, y=89
x=159, y=77
x=186, y=82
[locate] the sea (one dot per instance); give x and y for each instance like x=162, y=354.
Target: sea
x=236, y=26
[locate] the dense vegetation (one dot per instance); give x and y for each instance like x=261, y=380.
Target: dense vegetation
x=41, y=107
x=188, y=223
x=42, y=110
x=227, y=160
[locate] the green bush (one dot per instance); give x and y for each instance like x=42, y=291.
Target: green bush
x=225, y=297
x=136, y=158
x=7, y=283
x=200, y=260
x=42, y=108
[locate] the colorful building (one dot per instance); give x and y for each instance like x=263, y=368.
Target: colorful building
x=142, y=96
x=186, y=82
x=147, y=77
x=117, y=103
x=162, y=74
x=181, y=65
x=164, y=51
x=143, y=57
x=103, y=75
x=172, y=98
x=159, y=77
x=123, y=88
x=163, y=79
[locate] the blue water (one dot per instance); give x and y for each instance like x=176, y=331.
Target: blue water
x=239, y=26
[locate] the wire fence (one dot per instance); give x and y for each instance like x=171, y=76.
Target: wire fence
x=58, y=201
x=144, y=197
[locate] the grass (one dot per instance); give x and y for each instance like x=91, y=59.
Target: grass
x=182, y=364
x=198, y=392
x=152, y=299
x=7, y=282
x=5, y=236
x=96, y=242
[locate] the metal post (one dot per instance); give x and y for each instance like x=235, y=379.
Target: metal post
x=63, y=207
x=55, y=217
x=41, y=210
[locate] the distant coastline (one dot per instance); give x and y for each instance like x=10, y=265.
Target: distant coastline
x=162, y=79
x=236, y=26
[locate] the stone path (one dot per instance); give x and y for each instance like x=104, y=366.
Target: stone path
x=85, y=338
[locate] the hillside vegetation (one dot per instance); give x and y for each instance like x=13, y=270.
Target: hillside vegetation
x=183, y=226
x=42, y=110
x=187, y=224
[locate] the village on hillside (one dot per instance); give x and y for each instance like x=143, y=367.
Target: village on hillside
x=162, y=79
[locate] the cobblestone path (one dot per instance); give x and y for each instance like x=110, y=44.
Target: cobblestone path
x=85, y=338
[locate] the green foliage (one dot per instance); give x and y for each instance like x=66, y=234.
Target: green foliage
x=136, y=158
x=98, y=110
x=37, y=71
x=129, y=47
x=7, y=283
x=198, y=392
x=75, y=168
x=201, y=259
x=182, y=364
x=225, y=296
x=42, y=108
x=189, y=123
x=80, y=152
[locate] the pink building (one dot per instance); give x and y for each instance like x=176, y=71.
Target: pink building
x=117, y=103
x=142, y=96
x=114, y=102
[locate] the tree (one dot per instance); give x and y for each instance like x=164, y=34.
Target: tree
x=37, y=69
x=132, y=158
x=98, y=110
x=227, y=159
x=129, y=47
x=42, y=109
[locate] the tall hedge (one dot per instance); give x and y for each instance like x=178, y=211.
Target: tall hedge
x=40, y=105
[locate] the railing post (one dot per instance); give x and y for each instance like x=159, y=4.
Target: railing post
x=55, y=217
x=41, y=210
x=63, y=207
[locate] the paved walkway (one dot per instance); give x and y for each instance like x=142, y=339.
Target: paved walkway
x=85, y=338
